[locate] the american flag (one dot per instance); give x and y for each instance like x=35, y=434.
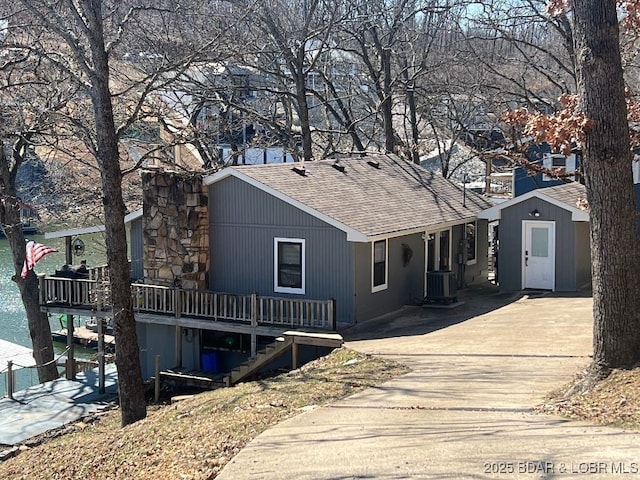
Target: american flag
x=35, y=251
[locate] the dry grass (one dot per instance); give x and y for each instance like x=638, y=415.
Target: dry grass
x=194, y=438
x=614, y=400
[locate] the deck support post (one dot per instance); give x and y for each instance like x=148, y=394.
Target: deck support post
x=332, y=313
x=254, y=324
x=68, y=250
x=101, y=387
x=71, y=362
x=178, y=301
x=294, y=355
x=156, y=383
x=179, y=346
x=10, y=379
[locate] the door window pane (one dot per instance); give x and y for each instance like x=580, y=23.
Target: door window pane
x=539, y=242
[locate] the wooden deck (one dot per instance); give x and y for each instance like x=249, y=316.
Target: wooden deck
x=66, y=295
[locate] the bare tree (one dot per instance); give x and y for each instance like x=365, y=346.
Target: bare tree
x=88, y=41
x=297, y=34
x=528, y=56
x=30, y=99
x=12, y=155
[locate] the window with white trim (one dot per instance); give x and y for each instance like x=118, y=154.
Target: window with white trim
x=471, y=242
x=379, y=260
x=559, y=163
x=289, y=265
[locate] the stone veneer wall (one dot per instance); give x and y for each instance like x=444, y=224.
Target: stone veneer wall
x=175, y=230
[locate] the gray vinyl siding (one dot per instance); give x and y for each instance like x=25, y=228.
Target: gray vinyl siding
x=243, y=222
x=510, y=253
x=154, y=339
x=477, y=272
x=405, y=284
x=583, y=255
x=136, y=249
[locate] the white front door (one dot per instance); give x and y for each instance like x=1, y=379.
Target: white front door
x=538, y=254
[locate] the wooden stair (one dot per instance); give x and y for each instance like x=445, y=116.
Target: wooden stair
x=262, y=358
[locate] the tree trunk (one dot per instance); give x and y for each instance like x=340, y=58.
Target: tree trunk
x=387, y=101
x=303, y=112
x=131, y=389
x=615, y=252
x=413, y=119
x=39, y=328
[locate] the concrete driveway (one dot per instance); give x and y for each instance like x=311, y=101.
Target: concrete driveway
x=465, y=410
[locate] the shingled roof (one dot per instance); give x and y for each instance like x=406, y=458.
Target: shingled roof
x=372, y=195
x=568, y=196
x=568, y=193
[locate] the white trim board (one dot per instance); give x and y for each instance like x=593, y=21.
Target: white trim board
x=72, y=232
x=495, y=212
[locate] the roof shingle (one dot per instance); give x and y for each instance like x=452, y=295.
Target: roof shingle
x=395, y=197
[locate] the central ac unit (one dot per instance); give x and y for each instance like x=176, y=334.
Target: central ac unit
x=442, y=286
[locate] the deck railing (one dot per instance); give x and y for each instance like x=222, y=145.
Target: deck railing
x=160, y=300
x=68, y=291
x=296, y=313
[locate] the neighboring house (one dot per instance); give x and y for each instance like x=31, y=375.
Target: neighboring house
x=207, y=97
x=364, y=231
x=525, y=180
x=543, y=239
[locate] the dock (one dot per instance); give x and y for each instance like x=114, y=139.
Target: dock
x=21, y=357
x=85, y=337
x=52, y=405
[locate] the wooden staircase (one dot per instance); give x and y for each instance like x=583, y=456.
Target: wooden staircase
x=263, y=357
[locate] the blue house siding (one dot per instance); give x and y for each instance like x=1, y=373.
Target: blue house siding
x=405, y=284
x=524, y=181
x=243, y=223
x=569, y=249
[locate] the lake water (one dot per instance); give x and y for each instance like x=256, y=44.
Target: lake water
x=13, y=321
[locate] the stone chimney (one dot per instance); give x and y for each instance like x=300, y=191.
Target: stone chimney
x=175, y=229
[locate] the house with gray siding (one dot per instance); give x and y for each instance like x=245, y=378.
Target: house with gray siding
x=543, y=239
x=236, y=267
x=364, y=231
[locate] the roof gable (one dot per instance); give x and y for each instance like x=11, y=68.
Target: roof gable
x=565, y=196
x=375, y=195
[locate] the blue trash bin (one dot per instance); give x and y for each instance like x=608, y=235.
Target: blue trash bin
x=209, y=361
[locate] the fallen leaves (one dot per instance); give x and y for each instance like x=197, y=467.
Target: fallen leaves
x=614, y=400
x=197, y=436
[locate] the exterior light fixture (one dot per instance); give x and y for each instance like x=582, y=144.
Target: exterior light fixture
x=534, y=213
